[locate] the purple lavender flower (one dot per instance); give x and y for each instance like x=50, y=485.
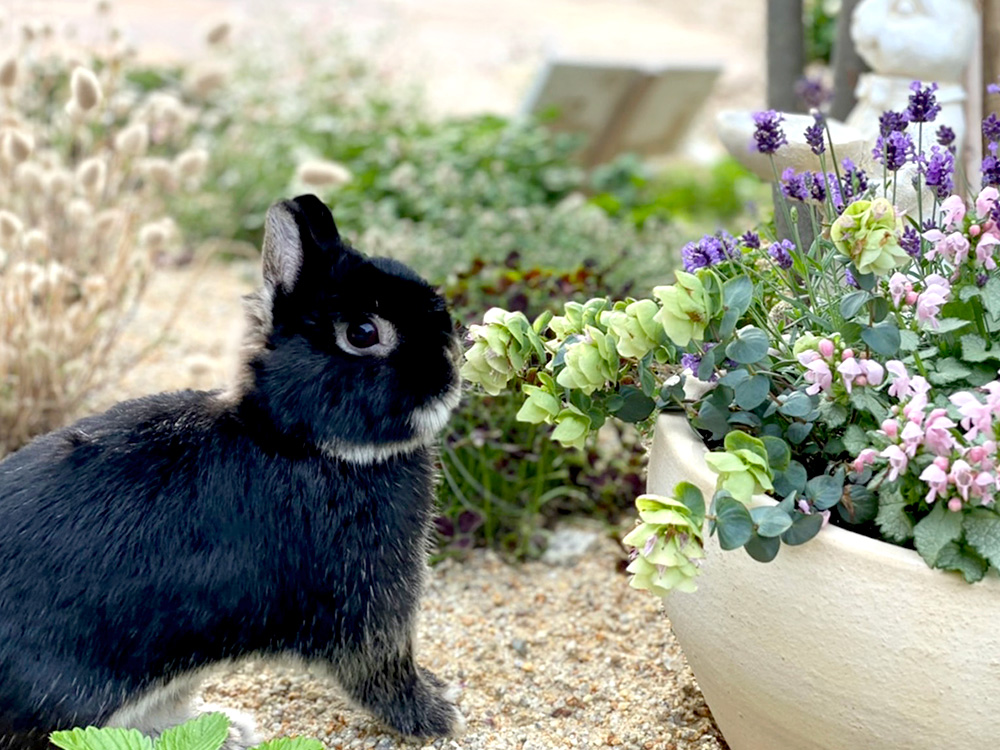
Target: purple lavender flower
x=708, y=251
x=991, y=128
x=993, y=89
x=991, y=167
x=812, y=91
x=981, y=279
x=892, y=122
x=946, y=137
x=768, y=135
x=855, y=181
x=781, y=252
x=750, y=239
x=910, y=242
x=849, y=278
x=894, y=150
x=794, y=185
x=817, y=188
x=938, y=170
x=923, y=104
x=815, y=134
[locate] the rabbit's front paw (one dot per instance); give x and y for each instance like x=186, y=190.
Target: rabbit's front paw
x=427, y=709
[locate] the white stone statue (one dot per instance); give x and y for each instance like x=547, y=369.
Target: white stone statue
x=913, y=40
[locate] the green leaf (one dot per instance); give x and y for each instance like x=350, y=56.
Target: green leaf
x=206, y=732
x=778, y=453
x=804, y=527
x=737, y=294
x=935, y=530
x=908, y=340
x=892, y=519
x=733, y=522
x=991, y=296
x=851, y=304
x=982, y=531
x=798, y=432
x=825, y=490
x=834, y=415
x=974, y=349
x=771, y=520
x=797, y=405
x=792, y=479
x=948, y=370
x=737, y=440
x=947, y=325
x=290, y=743
x=634, y=406
x=863, y=505
x=855, y=439
x=706, y=368
x=734, y=377
x=646, y=377
x=964, y=560
x=883, y=338
x=107, y=738
x=752, y=393
x=691, y=496
x=763, y=549
x=751, y=345
x=878, y=309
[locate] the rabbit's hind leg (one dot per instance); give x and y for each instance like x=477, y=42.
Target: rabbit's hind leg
x=175, y=703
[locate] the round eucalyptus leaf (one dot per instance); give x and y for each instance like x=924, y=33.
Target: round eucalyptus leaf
x=774, y=521
x=751, y=345
x=733, y=522
x=763, y=549
x=804, y=527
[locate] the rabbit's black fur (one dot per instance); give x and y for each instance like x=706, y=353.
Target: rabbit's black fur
x=289, y=516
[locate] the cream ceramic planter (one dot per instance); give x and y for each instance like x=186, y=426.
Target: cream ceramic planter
x=843, y=643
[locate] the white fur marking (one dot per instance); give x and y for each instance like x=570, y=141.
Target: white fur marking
x=431, y=418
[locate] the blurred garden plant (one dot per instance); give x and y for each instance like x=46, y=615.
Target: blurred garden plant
x=853, y=380
x=86, y=160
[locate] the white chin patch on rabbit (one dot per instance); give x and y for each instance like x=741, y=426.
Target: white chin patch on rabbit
x=426, y=422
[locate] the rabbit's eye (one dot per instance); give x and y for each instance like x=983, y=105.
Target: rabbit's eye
x=362, y=335
x=372, y=336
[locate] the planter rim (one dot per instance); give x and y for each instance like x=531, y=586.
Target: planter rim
x=836, y=537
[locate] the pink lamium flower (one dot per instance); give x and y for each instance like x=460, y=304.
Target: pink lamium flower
x=976, y=416
x=899, y=285
x=900, y=385
x=873, y=371
x=866, y=457
x=952, y=247
x=891, y=428
x=983, y=487
x=819, y=375
x=953, y=210
x=963, y=477
x=935, y=476
x=898, y=461
x=912, y=438
x=984, y=251
x=955, y=504
x=985, y=201
x=936, y=293
x=937, y=433
x=849, y=369
x=826, y=348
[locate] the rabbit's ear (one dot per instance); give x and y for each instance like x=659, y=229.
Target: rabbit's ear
x=297, y=232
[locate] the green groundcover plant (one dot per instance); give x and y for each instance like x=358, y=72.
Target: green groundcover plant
x=852, y=379
x=206, y=732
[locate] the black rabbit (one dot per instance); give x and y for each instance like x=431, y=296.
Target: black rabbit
x=288, y=516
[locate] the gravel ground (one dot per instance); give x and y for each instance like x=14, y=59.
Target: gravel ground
x=546, y=656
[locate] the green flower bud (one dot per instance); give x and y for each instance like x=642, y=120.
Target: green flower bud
x=685, y=309
x=501, y=348
x=541, y=405
x=572, y=428
x=868, y=233
x=667, y=543
x=743, y=473
x=805, y=342
x=591, y=362
x=635, y=328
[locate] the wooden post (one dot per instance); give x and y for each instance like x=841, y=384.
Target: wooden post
x=847, y=64
x=785, y=66
x=785, y=54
